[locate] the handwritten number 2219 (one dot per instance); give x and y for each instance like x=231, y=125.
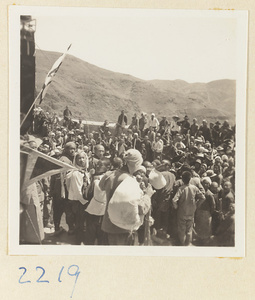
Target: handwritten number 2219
x=73, y=270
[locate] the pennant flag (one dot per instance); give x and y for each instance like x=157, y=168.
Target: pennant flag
x=35, y=165
x=51, y=74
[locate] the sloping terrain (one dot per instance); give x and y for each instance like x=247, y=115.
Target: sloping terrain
x=97, y=94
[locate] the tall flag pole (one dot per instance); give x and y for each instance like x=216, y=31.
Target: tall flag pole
x=47, y=82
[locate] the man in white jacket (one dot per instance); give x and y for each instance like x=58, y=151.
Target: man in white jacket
x=153, y=122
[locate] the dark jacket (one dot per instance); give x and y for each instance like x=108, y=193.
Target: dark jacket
x=121, y=118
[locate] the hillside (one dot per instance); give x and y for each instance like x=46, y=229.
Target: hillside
x=97, y=94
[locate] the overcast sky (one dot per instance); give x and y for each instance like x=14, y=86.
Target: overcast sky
x=148, y=44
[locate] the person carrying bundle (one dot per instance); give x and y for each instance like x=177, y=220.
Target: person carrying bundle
x=127, y=203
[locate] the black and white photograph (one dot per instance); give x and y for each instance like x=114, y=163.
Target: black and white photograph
x=127, y=129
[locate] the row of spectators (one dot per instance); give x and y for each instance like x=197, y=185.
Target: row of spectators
x=186, y=170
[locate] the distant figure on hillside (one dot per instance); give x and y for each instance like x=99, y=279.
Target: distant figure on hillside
x=67, y=114
x=163, y=124
x=80, y=126
x=194, y=128
x=205, y=131
x=134, y=123
x=104, y=130
x=185, y=125
x=174, y=126
x=153, y=122
x=143, y=123
x=121, y=123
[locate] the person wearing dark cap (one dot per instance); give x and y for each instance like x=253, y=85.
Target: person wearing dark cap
x=134, y=123
x=45, y=141
x=142, y=124
x=68, y=153
x=64, y=135
x=203, y=215
x=195, y=179
x=67, y=114
x=143, y=151
x=99, y=151
x=104, y=129
x=149, y=153
x=186, y=201
x=225, y=232
x=70, y=136
x=202, y=170
x=121, y=123
x=206, y=131
x=117, y=163
x=151, y=133
x=80, y=126
x=59, y=139
x=216, y=133
x=185, y=125
x=217, y=214
x=227, y=196
x=220, y=150
x=163, y=124
x=194, y=128
x=226, y=132
x=45, y=128
x=197, y=165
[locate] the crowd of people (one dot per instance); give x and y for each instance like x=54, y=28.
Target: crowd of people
x=165, y=180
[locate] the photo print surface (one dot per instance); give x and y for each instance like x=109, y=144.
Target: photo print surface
x=129, y=130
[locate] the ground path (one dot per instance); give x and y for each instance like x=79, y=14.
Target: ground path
x=65, y=239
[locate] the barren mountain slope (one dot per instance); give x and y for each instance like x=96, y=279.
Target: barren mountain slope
x=97, y=94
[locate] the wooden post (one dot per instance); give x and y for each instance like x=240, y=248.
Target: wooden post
x=147, y=233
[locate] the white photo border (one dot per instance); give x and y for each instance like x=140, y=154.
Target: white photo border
x=14, y=139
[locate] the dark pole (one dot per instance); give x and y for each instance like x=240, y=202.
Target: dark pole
x=27, y=71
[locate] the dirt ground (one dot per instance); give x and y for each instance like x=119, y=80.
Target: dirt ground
x=65, y=239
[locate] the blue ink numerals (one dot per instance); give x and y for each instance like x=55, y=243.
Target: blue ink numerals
x=25, y=270
x=72, y=270
x=43, y=272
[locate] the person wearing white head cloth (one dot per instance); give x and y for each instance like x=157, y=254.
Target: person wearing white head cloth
x=153, y=122
x=203, y=215
x=74, y=207
x=111, y=183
